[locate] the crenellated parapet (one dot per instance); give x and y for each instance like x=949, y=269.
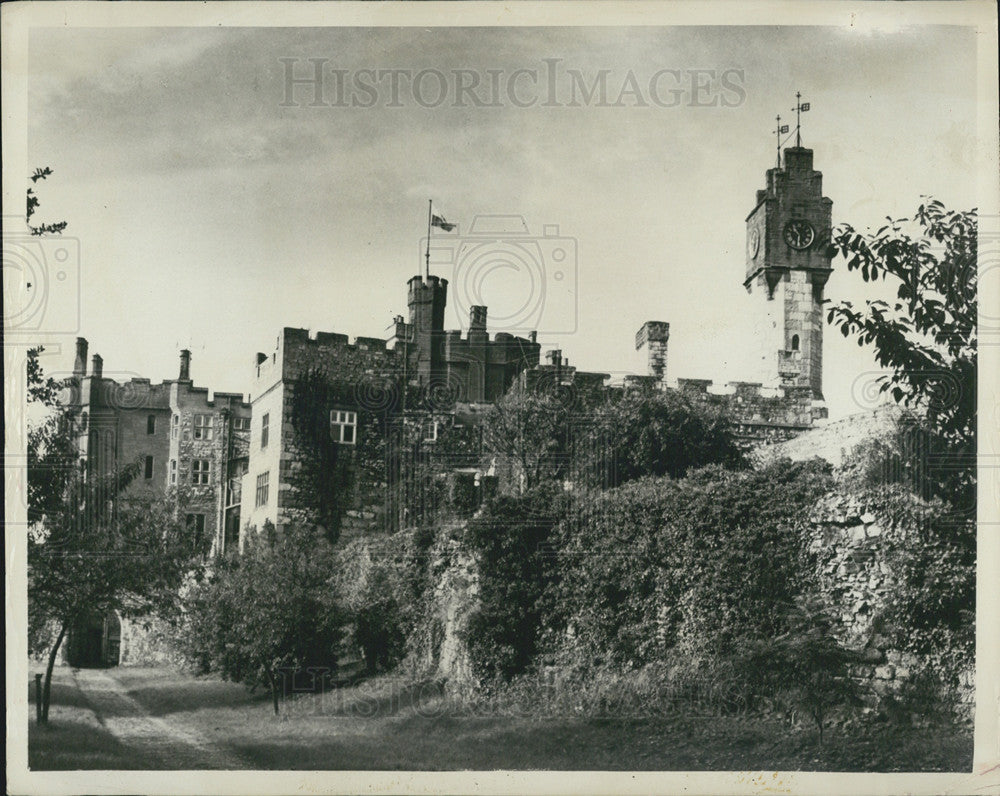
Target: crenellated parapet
x=298, y=351
x=761, y=414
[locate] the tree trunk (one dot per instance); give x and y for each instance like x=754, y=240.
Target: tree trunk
x=47, y=690
x=274, y=692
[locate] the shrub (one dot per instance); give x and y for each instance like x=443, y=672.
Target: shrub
x=266, y=612
x=382, y=585
x=806, y=664
x=655, y=433
x=698, y=562
x=510, y=542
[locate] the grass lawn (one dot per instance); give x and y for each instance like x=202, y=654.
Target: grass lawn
x=73, y=738
x=388, y=725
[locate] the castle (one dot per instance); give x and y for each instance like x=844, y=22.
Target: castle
x=787, y=266
x=229, y=462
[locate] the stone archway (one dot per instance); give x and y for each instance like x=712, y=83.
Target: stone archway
x=95, y=642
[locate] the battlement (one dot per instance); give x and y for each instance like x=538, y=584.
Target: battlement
x=298, y=350
x=231, y=399
x=419, y=281
x=188, y=396
x=761, y=413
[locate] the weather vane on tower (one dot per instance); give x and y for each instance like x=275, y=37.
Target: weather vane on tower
x=780, y=131
x=800, y=108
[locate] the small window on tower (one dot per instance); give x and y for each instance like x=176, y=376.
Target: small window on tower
x=795, y=342
x=343, y=426
x=201, y=471
x=149, y=467
x=203, y=427
x=150, y=424
x=262, y=488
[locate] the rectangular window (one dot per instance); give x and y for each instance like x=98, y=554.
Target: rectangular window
x=173, y=471
x=202, y=426
x=262, y=486
x=241, y=424
x=343, y=426
x=150, y=424
x=175, y=424
x=149, y=467
x=431, y=431
x=265, y=423
x=201, y=471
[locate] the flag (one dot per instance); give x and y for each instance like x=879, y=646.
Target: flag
x=438, y=221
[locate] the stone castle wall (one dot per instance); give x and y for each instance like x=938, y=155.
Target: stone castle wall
x=849, y=547
x=761, y=415
x=368, y=376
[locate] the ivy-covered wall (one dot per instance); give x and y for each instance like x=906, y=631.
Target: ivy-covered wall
x=862, y=549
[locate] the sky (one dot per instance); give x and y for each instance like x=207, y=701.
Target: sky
x=211, y=208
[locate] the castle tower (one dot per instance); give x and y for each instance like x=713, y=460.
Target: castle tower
x=787, y=266
x=426, y=300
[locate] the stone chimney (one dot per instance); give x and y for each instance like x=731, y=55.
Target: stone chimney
x=97, y=366
x=185, y=371
x=80, y=363
x=553, y=357
x=654, y=335
x=477, y=318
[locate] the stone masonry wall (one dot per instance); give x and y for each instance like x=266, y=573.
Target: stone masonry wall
x=367, y=374
x=761, y=415
x=848, y=545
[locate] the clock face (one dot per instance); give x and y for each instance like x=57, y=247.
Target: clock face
x=799, y=234
x=753, y=242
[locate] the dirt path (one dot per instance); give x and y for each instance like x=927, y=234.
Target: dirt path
x=160, y=743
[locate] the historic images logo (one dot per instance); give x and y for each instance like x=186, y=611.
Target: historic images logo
x=529, y=282
x=41, y=281
x=317, y=83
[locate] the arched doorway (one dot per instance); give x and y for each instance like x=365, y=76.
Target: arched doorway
x=95, y=642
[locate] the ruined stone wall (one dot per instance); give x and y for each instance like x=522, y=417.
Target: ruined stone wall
x=148, y=641
x=849, y=546
x=834, y=441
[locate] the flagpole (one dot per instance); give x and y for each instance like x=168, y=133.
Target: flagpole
x=427, y=256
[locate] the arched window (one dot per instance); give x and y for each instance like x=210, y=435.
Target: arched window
x=795, y=342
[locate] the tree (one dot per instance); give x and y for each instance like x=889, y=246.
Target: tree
x=806, y=662
x=927, y=337
x=33, y=204
x=267, y=612
x=527, y=430
x=92, y=547
x=647, y=432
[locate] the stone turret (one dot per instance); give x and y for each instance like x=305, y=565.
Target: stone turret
x=654, y=336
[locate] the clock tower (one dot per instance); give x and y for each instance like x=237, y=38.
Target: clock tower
x=788, y=264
